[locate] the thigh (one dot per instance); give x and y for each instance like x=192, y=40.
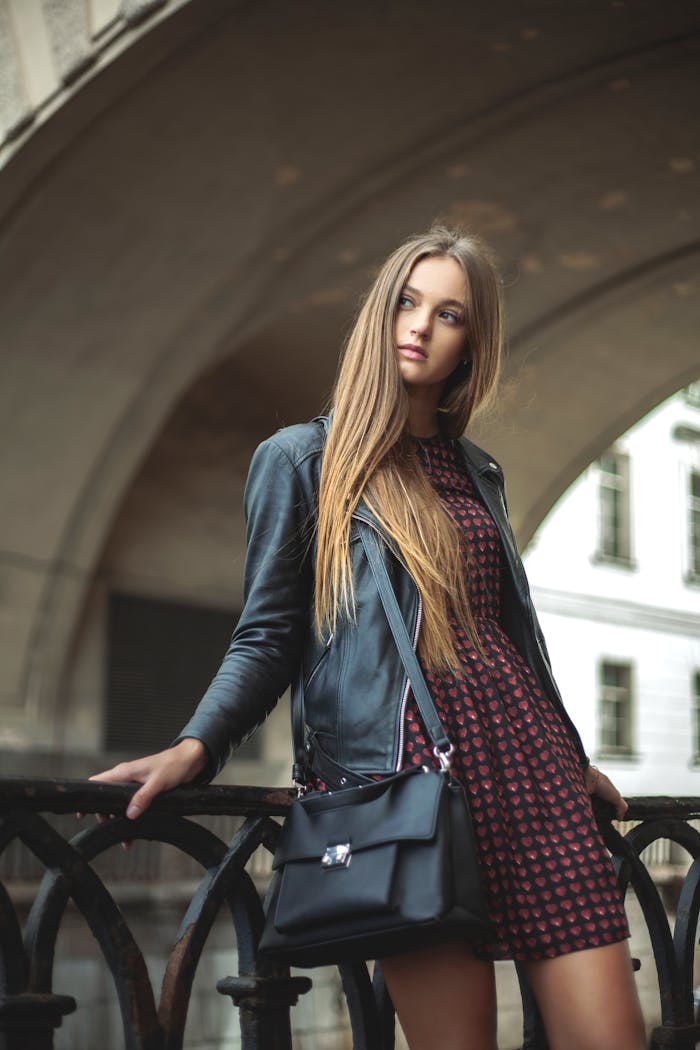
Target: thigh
x=588, y=999
x=444, y=997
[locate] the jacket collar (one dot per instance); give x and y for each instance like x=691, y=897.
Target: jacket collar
x=479, y=460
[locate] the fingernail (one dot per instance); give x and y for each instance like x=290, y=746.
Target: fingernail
x=133, y=811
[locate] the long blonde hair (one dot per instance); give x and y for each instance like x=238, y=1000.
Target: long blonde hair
x=370, y=455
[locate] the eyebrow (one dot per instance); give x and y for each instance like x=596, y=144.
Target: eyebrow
x=443, y=302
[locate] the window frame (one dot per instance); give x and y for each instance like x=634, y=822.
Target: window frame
x=614, y=488
x=695, y=713
x=692, y=525
x=606, y=747
x=691, y=394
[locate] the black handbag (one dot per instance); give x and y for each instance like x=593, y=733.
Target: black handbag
x=381, y=867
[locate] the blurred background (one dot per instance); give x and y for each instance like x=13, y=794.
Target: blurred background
x=193, y=195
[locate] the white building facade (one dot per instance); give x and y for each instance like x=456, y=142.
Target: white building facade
x=615, y=576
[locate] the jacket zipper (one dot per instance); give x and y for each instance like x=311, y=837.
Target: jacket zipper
x=407, y=688
x=318, y=663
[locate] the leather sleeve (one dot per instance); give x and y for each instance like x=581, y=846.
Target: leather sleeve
x=266, y=646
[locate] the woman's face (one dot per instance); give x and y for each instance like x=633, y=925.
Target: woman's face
x=430, y=323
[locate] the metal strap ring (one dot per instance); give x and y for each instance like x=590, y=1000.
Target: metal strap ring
x=444, y=757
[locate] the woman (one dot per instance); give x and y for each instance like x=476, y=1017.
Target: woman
x=423, y=357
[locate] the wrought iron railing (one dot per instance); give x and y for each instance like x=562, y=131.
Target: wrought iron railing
x=30, y=1011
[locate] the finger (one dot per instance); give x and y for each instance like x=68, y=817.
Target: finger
x=621, y=809
x=106, y=777
x=142, y=799
x=121, y=774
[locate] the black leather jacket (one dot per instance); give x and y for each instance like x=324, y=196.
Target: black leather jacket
x=355, y=684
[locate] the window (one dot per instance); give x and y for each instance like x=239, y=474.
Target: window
x=694, y=524
x=615, y=708
x=696, y=715
x=614, y=541
x=161, y=657
x=692, y=394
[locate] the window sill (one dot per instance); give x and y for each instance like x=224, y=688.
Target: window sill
x=616, y=563
x=617, y=756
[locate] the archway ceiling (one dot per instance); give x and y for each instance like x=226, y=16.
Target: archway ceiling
x=237, y=197
x=226, y=187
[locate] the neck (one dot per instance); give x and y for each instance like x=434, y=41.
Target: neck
x=422, y=414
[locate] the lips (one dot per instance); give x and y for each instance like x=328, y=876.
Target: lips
x=415, y=353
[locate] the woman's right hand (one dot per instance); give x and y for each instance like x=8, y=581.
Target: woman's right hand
x=157, y=773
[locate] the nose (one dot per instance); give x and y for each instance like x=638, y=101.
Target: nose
x=420, y=322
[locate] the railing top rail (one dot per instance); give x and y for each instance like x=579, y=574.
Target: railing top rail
x=648, y=807
x=46, y=795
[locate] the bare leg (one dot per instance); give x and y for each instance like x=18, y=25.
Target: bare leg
x=444, y=997
x=588, y=1000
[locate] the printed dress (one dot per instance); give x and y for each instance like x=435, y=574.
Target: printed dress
x=548, y=878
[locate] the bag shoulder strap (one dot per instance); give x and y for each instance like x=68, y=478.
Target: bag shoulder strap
x=421, y=693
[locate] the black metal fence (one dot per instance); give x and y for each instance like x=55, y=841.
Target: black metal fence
x=30, y=1011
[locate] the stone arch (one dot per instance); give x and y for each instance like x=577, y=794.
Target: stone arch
x=226, y=187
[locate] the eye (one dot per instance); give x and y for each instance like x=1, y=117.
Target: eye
x=405, y=300
x=450, y=316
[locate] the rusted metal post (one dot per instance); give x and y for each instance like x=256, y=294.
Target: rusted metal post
x=27, y=1021
x=264, y=1004
x=678, y=1036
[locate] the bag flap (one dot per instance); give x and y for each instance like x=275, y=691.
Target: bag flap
x=401, y=808
x=311, y=894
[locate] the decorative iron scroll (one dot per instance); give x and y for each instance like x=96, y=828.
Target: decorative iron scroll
x=30, y=1011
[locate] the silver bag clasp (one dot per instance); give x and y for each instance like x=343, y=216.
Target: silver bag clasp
x=337, y=856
